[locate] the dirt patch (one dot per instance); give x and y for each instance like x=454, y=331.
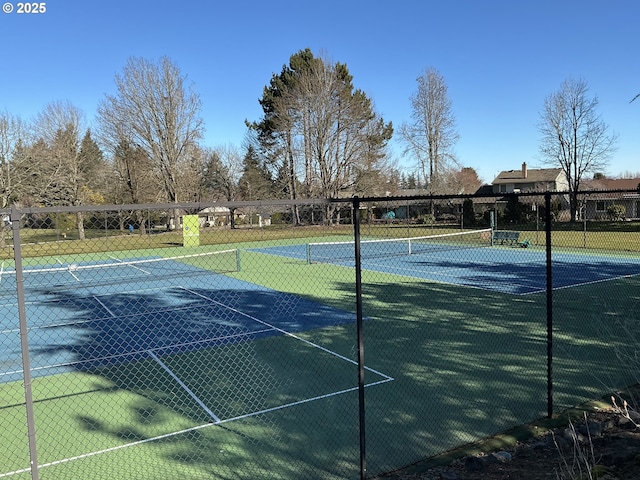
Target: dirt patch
x=605, y=437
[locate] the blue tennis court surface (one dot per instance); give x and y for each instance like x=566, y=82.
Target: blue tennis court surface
x=511, y=270
x=100, y=323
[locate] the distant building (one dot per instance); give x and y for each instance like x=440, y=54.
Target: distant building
x=596, y=205
x=530, y=180
x=215, y=216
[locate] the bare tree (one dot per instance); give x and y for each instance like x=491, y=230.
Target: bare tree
x=465, y=180
x=336, y=129
x=155, y=111
x=12, y=137
x=57, y=126
x=57, y=116
x=431, y=135
x=573, y=136
x=222, y=171
x=320, y=134
x=69, y=170
x=13, y=167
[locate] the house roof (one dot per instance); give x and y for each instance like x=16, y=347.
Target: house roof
x=484, y=190
x=532, y=176
x=615, y=184
x=216, y=210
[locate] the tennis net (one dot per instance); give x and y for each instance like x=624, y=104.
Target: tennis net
x=320, y=252
x=114, y=271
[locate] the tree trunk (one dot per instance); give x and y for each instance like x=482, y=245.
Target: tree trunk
x=140, y=220
x=573, y=205
x=80, y=225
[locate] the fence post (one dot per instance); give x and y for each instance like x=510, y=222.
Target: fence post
x=547, y=220
x=359, y=320
x=24, y=343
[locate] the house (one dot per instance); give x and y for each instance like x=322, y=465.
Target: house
x=215, y=216
x=208, y=217
x=596, y=205
x=530, y=180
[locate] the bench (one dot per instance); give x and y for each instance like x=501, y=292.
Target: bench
x=506, y=237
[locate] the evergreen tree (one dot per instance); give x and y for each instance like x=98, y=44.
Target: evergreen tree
x=514, y=211
x=256, y=182
x=94, y=170
x=468, y=213
x=320, y=132
x=218, y=181
x=412, y=184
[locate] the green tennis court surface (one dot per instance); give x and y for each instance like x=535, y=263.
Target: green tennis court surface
x=180, y=352
x=140, y=376
x=462, y=259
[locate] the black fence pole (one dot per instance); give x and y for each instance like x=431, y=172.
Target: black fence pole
x=547, y=220
x=361, y=408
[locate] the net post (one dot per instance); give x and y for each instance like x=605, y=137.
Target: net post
x=492, y=223
x=238, y=264
x=308, y=248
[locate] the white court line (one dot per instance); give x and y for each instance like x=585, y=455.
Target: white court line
x=184, y=386
x=285, y=332
x=218, y=421
x=442, y=275
x=104, y=306
x=120, y=261
x=173, y=375
x=592, y=282
x=193, y=429
x=135, y=352
x=87, y=320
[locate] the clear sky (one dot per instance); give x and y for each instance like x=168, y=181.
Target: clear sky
x=499, y=58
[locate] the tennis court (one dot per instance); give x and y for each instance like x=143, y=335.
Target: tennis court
x=188, y=363
x=468, y=259
x=113, y=312
x=203, y=343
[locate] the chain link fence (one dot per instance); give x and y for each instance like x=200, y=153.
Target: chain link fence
x=330, y=339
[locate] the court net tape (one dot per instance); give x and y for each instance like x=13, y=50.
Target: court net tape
x=387, y=247
x=124, y=271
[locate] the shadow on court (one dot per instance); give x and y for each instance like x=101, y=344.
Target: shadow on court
x=466, y=363
x=109, y=329
x=523, y=277
x=165, y=364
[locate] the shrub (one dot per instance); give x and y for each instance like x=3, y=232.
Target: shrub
x=468, y=214
x=427, y=219
x=616, y=212
x=277, y=218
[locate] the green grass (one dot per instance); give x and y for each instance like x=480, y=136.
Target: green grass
x=36, y=243
x=623, y=236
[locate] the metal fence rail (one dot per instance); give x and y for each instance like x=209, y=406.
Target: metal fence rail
x=245, y=343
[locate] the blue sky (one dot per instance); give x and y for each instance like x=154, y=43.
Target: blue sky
x=499, y=58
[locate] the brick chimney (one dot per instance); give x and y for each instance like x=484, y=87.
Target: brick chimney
x=524, y=170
